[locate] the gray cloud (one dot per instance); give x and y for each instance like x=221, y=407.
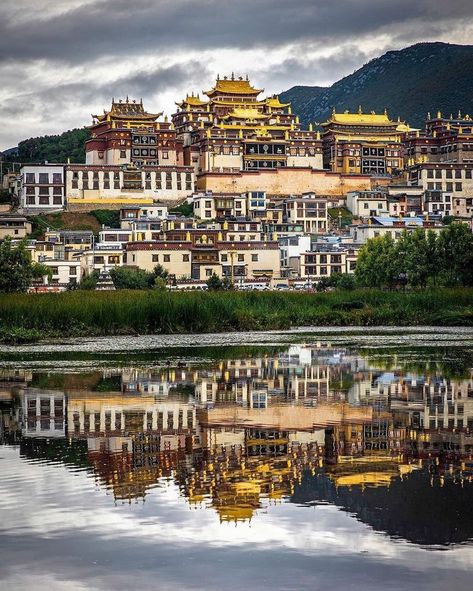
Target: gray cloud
x=61, y=59
x=117, y=27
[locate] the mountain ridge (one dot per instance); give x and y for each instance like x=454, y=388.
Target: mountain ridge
x=408, y=82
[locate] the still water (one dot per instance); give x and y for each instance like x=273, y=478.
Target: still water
x=295, y=460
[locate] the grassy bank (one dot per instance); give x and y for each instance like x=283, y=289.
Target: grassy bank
x=26, y=317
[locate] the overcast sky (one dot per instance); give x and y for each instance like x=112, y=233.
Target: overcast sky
x=61, y=60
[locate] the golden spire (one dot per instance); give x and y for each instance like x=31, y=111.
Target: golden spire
x=318, y=134
x=439, y=115
x=311, y=127
x=360, y=111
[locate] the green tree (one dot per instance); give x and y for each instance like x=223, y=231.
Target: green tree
x=131, y=278
x=377, y=264
x=16, y=269
x=455, y=251
x=90, y=281
x=214, y=283
x=344, y=281
x=185, y=209
x=160, y=271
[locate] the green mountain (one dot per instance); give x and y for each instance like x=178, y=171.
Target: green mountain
x=408, y=83
x=53, y=148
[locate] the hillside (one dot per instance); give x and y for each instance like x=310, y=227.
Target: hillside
x=53, y=148
x=409, y=83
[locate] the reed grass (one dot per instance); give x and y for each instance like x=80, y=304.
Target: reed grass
x=139, y=312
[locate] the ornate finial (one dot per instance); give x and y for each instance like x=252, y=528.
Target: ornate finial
x=451, y=116
x=399, y=119
x=333, y=110
x=385, y=111
x=247, y=79
x=233, y=76
x=439, y=115
x=141, y=101
x=165, y=118
x=311, y=127
x=360, y=111
x=459, y=114
x=218, y=76
x=428, y=116
x=127, y=98
x=318, y=135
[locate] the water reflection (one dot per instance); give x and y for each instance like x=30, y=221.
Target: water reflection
x=385, y=437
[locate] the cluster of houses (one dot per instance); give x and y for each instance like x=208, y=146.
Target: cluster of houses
x=254, y=241
x=270, y=203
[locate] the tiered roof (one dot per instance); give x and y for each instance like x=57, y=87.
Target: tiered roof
x=235, y=86
x=360, y=118
x=126, y=110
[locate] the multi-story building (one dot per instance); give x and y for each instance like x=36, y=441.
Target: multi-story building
x=455, y=179
x=127, y=134
x=310, y=212
x=233, y=129
x=327, y=259
x=122, y=184
x=363, y=143
x=394, y=227
x=42, y=187
x=200, y=259
x=444, y=139
x=14, y=226
x=291, y=248
x=365, y=204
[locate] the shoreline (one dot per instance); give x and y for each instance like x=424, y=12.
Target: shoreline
x=31, y=318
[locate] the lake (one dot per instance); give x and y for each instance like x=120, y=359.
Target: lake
x=294, y=460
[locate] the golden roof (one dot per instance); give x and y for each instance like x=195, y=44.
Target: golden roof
x=359, y=118
x=275, y=103
x=248, y=114
x=192, y=100
x=233, y=86
x=127, y=110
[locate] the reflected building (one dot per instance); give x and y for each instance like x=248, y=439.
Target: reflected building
x=241, y=433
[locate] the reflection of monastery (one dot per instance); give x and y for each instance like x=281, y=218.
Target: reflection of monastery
x=242, y=433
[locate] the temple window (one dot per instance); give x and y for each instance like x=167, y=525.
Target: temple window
x=43, y=178
x=29, y=177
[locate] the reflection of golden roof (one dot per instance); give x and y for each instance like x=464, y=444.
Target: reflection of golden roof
x=232, y=86
x=232, y=513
